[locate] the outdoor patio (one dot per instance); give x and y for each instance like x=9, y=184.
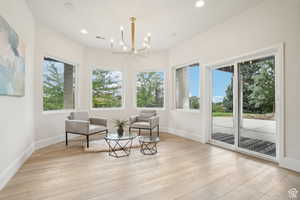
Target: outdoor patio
x=255, y=135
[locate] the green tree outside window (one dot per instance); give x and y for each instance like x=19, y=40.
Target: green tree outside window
x=150, y=90
x=106, y=89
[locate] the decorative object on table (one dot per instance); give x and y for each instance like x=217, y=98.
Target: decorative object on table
x=148, y=144
x=79, y=123
x=12, y=61
x=98, y=146
x=146, y=120
x=120, y=124
x=119, y=146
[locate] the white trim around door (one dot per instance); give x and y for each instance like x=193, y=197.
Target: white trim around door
x=278, y=52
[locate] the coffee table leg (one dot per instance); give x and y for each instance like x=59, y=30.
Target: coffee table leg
x=113, y=148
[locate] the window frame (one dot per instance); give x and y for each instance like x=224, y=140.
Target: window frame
x=174, y=68
x=123, y=84
x=76, y=88
x=135, y=89
x=276, y=50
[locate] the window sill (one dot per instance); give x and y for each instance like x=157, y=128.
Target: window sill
x=187, y=111
x=106, y=109
x=159, y=109
x=49, y=112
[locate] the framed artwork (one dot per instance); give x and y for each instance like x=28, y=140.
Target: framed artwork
x=12, y=61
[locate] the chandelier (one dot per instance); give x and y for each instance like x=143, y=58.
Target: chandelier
x=124, y=48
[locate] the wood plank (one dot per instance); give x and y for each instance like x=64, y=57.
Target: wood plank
x=183, y=169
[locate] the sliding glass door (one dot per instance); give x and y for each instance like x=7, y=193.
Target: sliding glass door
x=243, y=114
x=257, y=125
x=222, y=105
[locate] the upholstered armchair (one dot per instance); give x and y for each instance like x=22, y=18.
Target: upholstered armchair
x=79, y=123
x=147, y=120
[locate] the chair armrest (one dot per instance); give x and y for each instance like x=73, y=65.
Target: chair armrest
x=77, y=126
x=132, y=119
x=154, y=121
x=98, y=121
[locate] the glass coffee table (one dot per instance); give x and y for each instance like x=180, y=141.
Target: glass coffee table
x=148, y=144
x=119, y=146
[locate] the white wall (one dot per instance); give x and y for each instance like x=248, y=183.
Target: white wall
x=50, y=125
x=269, y=23
x=16, y=113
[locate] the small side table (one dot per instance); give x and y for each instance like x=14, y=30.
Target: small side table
x=148, y=144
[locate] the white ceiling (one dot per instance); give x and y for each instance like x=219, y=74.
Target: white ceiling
x=169, y=21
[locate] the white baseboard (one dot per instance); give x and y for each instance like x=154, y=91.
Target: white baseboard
x=52, y=140
x=48, y=141
x=290, y=163
x=12, y=169
x=186, y=134
x=164, y=129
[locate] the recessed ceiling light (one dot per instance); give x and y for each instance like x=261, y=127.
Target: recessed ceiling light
x=69, y=5
x=200, y=3
x=84, y=31
x=100, y=37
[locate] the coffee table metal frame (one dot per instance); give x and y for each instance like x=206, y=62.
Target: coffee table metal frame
x=115, y=145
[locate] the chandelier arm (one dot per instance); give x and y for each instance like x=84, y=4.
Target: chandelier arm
x=122, y=36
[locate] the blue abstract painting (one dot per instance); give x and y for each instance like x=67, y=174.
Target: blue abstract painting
x=12, y=61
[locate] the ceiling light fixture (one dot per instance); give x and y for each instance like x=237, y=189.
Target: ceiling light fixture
x=69, y=5
x=133, y=50
x=84, y=31
x=200, y=3
x=100, y=37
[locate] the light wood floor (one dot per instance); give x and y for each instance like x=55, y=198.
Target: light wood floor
x=183, y=169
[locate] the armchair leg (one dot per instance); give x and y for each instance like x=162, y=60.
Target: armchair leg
x=129, y=130
x=150, y=132
x=158, y=130
x=87, y=141
x=66, y=139
x=139, y=131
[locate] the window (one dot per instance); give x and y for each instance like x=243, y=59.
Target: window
x=58, y=85
x=188, y=87
x=106, y=89
x=150, y=90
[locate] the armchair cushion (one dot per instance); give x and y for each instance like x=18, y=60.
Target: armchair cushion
x=132, y=119
x=80, y=123
x=79, y=116
x=141, y=125
x=98, y=121
x=146, y=119
x=148, y=113
x=145, y=115
x=96, y=128
x=154, y=121
x=77, y=126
